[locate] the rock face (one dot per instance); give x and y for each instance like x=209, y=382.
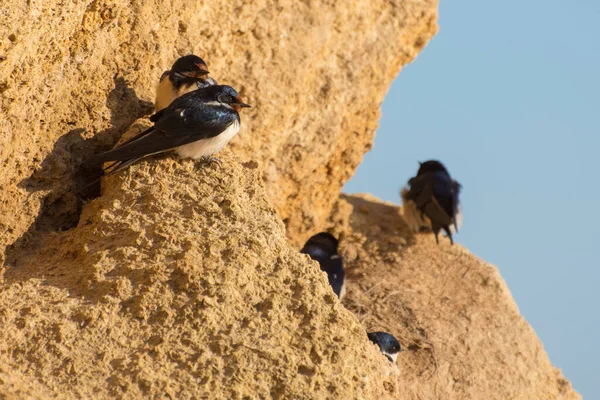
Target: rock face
x=315, y=72
x=465, y=336
x=180, y=281
x=183, y=282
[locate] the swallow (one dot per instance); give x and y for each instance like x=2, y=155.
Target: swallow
x=196, y=125
x=388, y=344
x=323, y=247
x=187, y=73
x=431, y=200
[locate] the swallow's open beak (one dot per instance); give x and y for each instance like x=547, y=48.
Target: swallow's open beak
x=239, y=102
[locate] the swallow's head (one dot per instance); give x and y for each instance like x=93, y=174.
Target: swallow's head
x=190, y=67
x=388, y=344
x=431, y=166
x=227, y=95
x=325, y=241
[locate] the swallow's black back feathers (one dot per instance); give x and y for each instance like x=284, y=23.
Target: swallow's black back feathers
x=323, y=247
x=435, y=194
x=200, y=114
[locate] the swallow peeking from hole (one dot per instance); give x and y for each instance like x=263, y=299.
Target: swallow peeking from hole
x=388, y=344
x=323, y=247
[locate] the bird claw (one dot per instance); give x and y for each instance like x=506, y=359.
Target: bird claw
x=209, y=160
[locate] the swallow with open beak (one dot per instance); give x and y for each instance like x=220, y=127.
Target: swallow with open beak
x=187, y=73
x=388, y=344
x=323, y=247
x=431, y=200
x=196, y=125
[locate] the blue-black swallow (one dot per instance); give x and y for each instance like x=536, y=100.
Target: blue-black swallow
x=196, y=125
x=388, y=344
x=323, y=247
x=431, y=200
x=187, y=73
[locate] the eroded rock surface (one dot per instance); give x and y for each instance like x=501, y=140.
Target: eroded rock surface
x=454, y=313
x=74, y=75
x=182, y=281
x=179, y=281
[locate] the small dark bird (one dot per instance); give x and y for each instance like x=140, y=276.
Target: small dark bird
x=388, y=344
x=196, y=125
x=432, y=200
x=187, y=73
x=323, y=247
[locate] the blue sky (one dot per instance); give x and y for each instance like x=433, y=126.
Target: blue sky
x=507, y=95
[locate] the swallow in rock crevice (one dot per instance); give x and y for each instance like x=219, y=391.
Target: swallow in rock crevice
x=388, y=344
x=323, y=247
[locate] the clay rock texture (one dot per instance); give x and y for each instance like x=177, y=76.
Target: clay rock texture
x=179, y=282
x=183, y=281
x=454, y=313
x=74, y=75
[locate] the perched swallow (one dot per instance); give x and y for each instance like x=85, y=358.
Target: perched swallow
x=187, y=73
x=323, y=247
x=432, y=200
x=196, y=125
x=388, y=344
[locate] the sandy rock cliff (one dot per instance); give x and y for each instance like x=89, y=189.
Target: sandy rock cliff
x=74, y=75
x=183, y=281
x=180, y=281
x=465, y=336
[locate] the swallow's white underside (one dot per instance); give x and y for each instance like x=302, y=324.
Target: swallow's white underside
x=394, y=356
x=343, y=291
x=459, y=220
x=208, y=147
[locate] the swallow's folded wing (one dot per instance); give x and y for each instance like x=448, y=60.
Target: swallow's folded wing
x=195, y=123
x=421, y=192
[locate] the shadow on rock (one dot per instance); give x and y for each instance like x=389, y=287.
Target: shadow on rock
x=62, y=176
